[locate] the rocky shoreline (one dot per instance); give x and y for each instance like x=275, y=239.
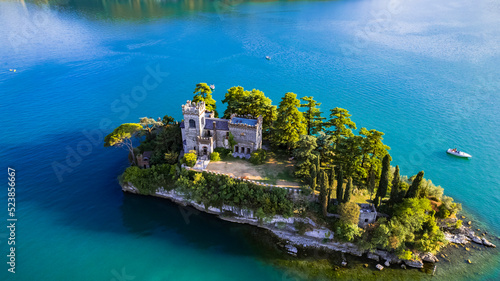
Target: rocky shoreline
x=319, y=237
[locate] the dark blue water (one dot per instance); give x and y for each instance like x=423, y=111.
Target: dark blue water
x=425, y=73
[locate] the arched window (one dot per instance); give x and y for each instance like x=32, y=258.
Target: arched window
x=192, y=124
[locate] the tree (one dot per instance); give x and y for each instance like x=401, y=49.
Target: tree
x=149, y=124
x=414, y=189
x=371, y=184
x=253, y=103
x=349, y=212
x=325, y=146
x=384, y=177
x=341, y=123
x=331, y=186
x=324, y=191
x=314, y=177
x=304, y=155
x=395, y=186
x=204, y=93
x=312, y=115
x=167, y=120
x=290, y=124
x=122, y=137
x=348, y=191
x=373, y=149
x=340, y=189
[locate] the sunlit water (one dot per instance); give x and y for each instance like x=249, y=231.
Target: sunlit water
x=424, y=72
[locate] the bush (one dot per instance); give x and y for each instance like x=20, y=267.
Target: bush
x=349, y=212
x=258, y=157
x=443, y=212
x=215, y=156
x=190, y=158
x=171, y=158
x=348, y=231
x=224, y=153
x=458, y=224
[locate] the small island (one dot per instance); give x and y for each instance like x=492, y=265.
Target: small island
x=310, y=180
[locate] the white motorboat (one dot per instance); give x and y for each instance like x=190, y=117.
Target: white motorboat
x=458, y=153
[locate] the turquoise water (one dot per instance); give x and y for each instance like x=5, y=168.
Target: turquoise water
x=425, y=73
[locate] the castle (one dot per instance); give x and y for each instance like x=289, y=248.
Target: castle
x=203, y=133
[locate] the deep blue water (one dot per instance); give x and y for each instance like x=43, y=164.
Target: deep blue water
x=425, y=73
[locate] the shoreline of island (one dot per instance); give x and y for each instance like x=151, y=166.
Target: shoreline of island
x=313, y=239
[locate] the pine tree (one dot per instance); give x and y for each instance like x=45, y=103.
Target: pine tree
x=415, y=186
x=384, y=177
x=348, y=191
x=312, y=115
x=290, y=124
x=314, y=176
x=340, y=189
x=395, y=186
x=323, y=191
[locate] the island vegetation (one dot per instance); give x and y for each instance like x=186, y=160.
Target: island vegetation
x=336, y=164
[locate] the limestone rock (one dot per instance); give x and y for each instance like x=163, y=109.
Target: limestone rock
x=429, y=257
x=416, y=263
x=488, y=243
x=456, y=238
x=379, y=267
x=372, y=256
x=291, y=249
x=476, y=239
x=344, y=263
x=387, y=264
x=403, y=266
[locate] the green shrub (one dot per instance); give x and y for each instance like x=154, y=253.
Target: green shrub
x=458, y=224
x=443, y=212
x=171, y=158
x=224, y=153
x=190, y=158
x=258, y=157
x=215, y=156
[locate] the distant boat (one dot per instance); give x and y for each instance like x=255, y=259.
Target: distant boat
x=268, y=58
x=212, y=86
x=458, y=153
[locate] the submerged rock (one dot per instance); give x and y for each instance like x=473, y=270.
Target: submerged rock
x=469, y=261
x=403, y=266
x=379, y=267
x=344, y=263
x=415, y=263
x=292, y=250
x=387, y=264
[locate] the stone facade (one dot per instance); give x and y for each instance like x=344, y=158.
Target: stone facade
x=367, y=214
x=203, y=133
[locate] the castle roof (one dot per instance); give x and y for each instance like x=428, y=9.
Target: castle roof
x=241, y=120
x=220, y=124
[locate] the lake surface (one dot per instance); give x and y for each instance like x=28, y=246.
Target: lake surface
x=424, y=72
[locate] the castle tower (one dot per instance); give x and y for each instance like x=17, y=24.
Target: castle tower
x=194, y=122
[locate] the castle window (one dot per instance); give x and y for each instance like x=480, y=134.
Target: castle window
x=192, y=124
x=366, y=220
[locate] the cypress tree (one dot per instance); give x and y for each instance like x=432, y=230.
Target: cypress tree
x=376, y=201
x=384, y=177
x=318, y=165
x=348, y=191
x=395, y=186
x=314, y=177
x=371, y=184
x=331, y=178
x=323, y=191
x=415, y=186
x=340, y=189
